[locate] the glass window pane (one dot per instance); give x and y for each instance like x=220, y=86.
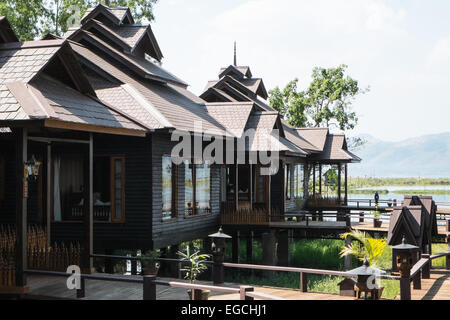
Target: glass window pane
x=188, y=190
x=203, y=189
x=166, y=188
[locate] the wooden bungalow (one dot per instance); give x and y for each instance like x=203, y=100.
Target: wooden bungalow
x=300, y=174
x=96, y=111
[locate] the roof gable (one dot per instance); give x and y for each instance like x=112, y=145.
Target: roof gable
x=6, y=32
x=115, y=15
x=133, y=38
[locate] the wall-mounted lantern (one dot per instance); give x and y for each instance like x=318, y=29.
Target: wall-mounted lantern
x=218, y=252
x=366, y=282
x=31, y=168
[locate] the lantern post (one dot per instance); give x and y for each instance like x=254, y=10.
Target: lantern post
x=218, y=253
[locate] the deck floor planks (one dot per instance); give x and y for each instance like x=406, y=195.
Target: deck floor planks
x=46, y=287
x=435, y=288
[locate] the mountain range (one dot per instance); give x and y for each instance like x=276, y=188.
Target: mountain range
x=424, y=156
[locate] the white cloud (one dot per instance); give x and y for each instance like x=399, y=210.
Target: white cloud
x=439, y=56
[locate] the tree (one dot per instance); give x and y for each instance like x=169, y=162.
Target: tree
x=327, y=101
x=26, y=17
x=142, y=10
x=31, y=19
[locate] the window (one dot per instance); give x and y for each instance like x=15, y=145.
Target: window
x=287, y=181
x=168, y=189
x=298, y=181
x=260, y=185
x=197, y=189
x=117, y=189
x=69, y=188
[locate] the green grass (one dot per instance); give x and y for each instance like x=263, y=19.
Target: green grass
x=438, y=248
x=359, y=182
x=422, y=192
x=367, y=191
x=318, y=254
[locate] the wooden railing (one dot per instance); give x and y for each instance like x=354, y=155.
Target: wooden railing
x=150, y=282
x=302, y=272
x=420, y=270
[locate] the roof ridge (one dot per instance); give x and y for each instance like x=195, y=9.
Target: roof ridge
x=32, y=44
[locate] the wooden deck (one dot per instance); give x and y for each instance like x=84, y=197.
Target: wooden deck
x=288, y=294
x=435, y=288
x=368, y=226
x=47, y=287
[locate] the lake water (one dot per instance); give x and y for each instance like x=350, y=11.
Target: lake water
x=399, y=197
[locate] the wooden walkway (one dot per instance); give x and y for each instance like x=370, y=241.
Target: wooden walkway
x=47, y=287
x=435, y=288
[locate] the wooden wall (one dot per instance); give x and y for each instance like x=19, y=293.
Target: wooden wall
x=182, y=228
x=135, y=232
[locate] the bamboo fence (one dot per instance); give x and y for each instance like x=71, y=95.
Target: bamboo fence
x=39, y=256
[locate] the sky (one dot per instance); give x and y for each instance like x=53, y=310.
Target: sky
x=398, y=48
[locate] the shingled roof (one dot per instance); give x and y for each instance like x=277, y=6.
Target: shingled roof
x=407, y=221
x=109, y=21
x=178, y=107
x=29, y=92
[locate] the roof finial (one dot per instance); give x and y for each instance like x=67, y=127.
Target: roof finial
x=235, y=63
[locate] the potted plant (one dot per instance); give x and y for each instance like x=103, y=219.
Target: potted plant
x=376, y=217
x=149, y=263
x=196, y=265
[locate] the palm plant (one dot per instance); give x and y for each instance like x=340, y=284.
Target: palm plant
x=364, y=247
x=197, y=264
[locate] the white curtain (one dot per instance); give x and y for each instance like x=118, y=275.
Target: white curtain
x=56, y=190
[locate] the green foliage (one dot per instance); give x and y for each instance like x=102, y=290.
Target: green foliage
x=26, y=16
x=364, y=247
x=141, y=10
x=31, y=19
x=326, y=101
x=196, y=266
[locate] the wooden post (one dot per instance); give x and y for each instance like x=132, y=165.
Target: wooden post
x=427, y=267
x=149, y=288
x=283, y=252
x=236, y=187
x=361, y=216
x=250, y=188
x=249, y=248
x=243, y=292
x=88, y=208
x=417, y=280
x=49, y=193
x=235, y=247
x=405, y=288
x=21, y=206
x=339, y=183
x=346, y=185
x=303, y=282
x=81, y=293
x=320, y=179
x=314, y=179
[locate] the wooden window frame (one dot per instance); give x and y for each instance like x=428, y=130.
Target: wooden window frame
x=112, y=190
x=300, y=180
x=287, y=181
x=194, y=192
x=174, y=200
